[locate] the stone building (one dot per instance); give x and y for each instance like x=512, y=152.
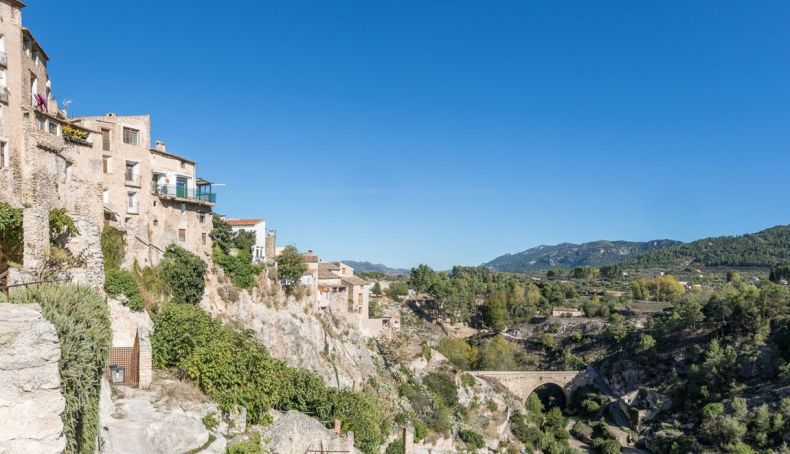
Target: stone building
x=153, y=195
x=45, y=162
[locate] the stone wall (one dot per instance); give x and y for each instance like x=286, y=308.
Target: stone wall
x=30, y=398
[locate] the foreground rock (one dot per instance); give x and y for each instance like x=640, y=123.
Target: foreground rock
x=30, y=398
x=296, y=432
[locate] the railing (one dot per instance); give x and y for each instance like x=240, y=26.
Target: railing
x=181, y=192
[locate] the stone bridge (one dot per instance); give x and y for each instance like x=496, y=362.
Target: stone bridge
x=522, y=384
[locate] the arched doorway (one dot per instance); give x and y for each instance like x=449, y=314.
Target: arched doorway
x=551, y=395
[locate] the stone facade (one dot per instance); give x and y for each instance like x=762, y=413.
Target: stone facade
x=29, y=382
x=153, y=195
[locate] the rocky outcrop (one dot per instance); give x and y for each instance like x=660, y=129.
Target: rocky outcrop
x=292, y=331
x=297, y=432
x=30, y=399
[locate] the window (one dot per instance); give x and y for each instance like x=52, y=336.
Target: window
x=202, y=218
x=132, y=172
x=105, y=139
x=4, y=158
x=53, y=127
x=203, y=238
x=182, y=235
x=35, y=56
x=131, y=136
x=106, y=164
x=42, y=124
x=26, y=44
x=131, y=202
x=2, y=78
x=106, y=197
x=33, y=89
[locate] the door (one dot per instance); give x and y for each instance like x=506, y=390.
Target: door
x=181, y=187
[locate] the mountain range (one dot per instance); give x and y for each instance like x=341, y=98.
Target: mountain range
x=367, y=267
x=762, y=248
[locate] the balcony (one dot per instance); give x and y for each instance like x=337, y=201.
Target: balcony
x=201, y=195
x=3, y=59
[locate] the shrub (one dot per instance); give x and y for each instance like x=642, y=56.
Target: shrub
x=240, y=268
x=420, y=430
x=251, y=445
x=606, y=446
x=458, y=352
x=396, y=447
x=210, y=422
x=82, y=321
x=471, y=438
x=122, y=284
x=184, y=273
x=442, y=384
x=11, y=243
x=290, y=267
x=113, y=247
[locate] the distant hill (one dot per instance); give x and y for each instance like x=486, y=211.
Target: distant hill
x=763, y=248
x=569, y=255
x=367, y=267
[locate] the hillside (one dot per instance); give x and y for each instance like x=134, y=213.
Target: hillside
x=367, y=267
x=763, y=248
x=569, y=255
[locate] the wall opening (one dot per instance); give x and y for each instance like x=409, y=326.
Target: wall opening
x=551, y=395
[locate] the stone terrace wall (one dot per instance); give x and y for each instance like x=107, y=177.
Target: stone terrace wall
x=30, y=398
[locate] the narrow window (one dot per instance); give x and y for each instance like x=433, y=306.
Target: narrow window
x=42, y=124
x=4, y=158
x=105, y=139
x=53, y=127
x=182, y=235
x=202, y=218
x=131, y=172
x=2, y=78
x=106, y=197
x=131, y=136
x=33, y=89
x=131, y=206
x=203, y=237
x=106, y=164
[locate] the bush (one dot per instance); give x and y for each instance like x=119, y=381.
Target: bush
x=458, y=352
x=420, y=430
x=396, y=447
x=210, y=422
x=442, y=384
x=251, y=445
x=240, y=268
x=606, y=446
x=471, y=438
x=11, y=242
x=184, y=273
x=82, y=321
x=235, y=370
x=122, y=284
x=113, y=247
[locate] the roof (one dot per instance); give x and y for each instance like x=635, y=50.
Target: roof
x=329, y=266
x=240, y=222
x=310, y=257
x=354, y=280
x=326, y=274
x=171, y=155
x=27, y=32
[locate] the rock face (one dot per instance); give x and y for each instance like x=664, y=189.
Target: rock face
x=294, y=333
x=296, y=432
x=30, y=398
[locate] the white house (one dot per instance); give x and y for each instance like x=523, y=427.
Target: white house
x=253, y=225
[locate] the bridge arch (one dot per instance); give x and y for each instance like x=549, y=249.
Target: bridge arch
x=522, y=384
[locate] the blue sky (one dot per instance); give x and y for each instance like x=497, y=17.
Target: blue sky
x=450, y=132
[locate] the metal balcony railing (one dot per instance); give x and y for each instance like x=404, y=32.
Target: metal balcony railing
x=181, y=192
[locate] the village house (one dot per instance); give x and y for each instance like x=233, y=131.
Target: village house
x=153, y=195
x=258, y=227
x=566, y=312
x=45, y=162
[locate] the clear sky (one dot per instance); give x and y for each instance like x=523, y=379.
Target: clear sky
x=450, y=132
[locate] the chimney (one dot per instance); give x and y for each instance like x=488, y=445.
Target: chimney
x=161, y=146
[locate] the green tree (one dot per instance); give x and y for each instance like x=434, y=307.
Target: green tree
x=184, y=273
x=221, y=234
x=376, y=289
x=618, y=328
x=495, y=312
x=458, y=352
x=422, y=278
x=780, y=272
x=290, y=267
x=497, y=354
x=11, y=243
